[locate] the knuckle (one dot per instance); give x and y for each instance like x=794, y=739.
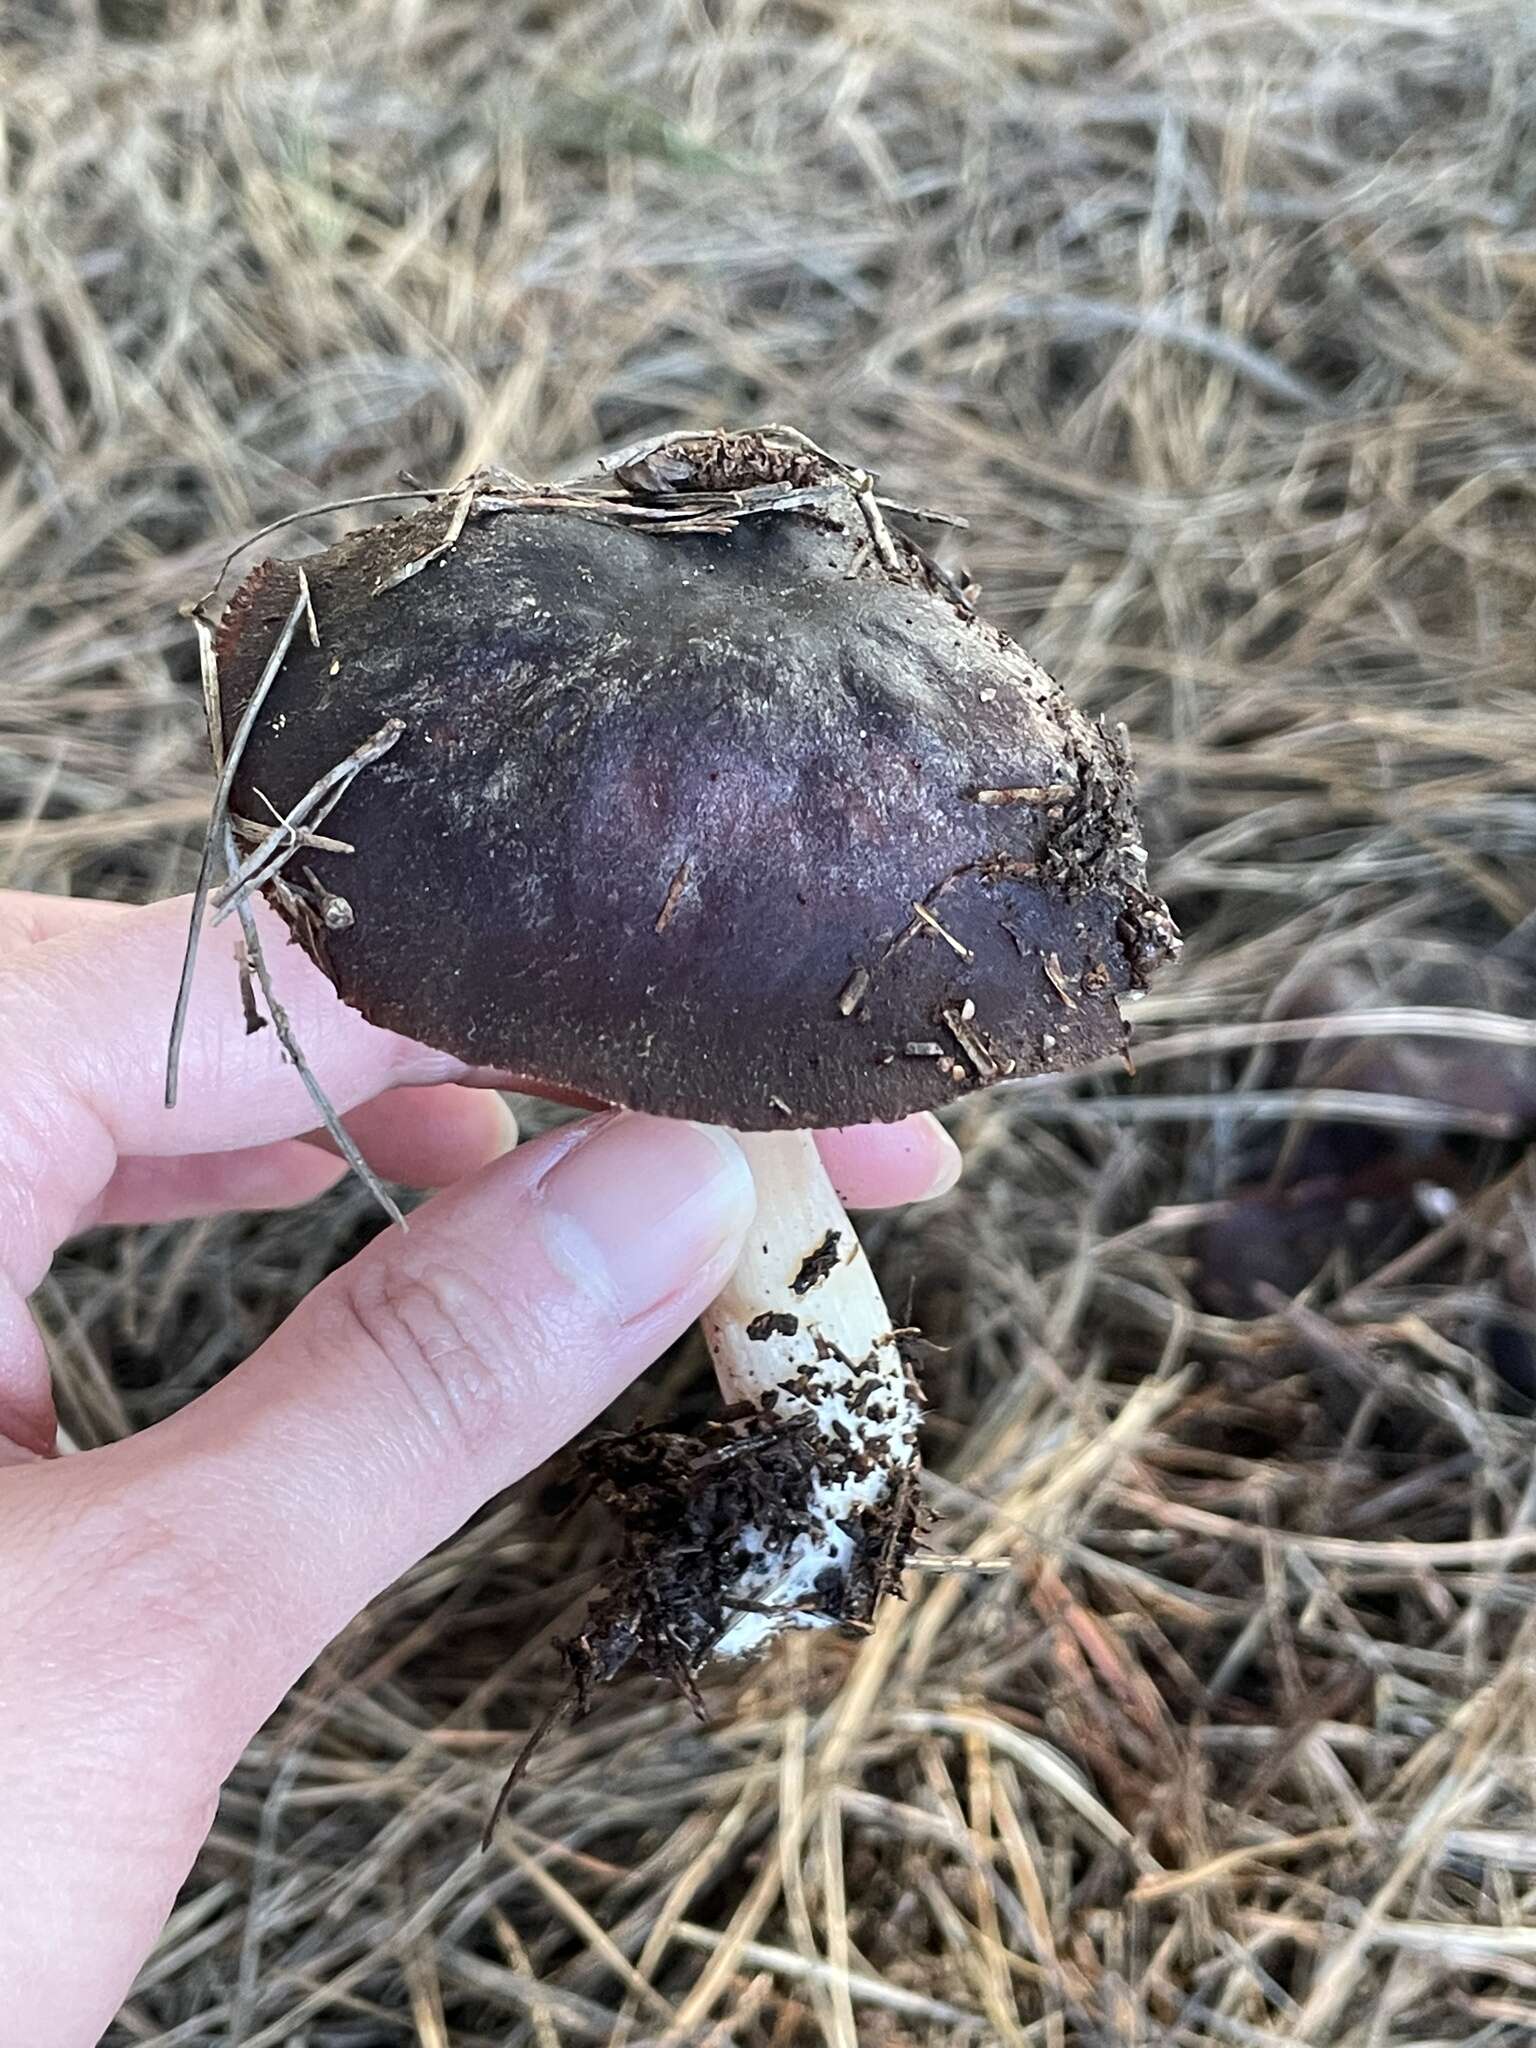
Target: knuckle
x=447, y=1342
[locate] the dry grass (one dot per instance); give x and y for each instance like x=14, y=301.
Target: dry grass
x=1216, y=320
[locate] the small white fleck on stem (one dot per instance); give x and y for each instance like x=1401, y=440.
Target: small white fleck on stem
x=802, y=1321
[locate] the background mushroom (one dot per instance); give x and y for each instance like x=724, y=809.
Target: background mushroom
x=694, y=787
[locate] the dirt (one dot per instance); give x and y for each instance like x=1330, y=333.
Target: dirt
x=723, y=462
x=681, y=1503
x=773, y=1322
x=817, y=1264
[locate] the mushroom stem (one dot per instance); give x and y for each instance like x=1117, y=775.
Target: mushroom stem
x=802, y=1332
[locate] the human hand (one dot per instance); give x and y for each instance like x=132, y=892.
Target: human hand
x=158, y=1596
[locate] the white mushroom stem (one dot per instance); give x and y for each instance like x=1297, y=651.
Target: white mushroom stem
x=801, y=1330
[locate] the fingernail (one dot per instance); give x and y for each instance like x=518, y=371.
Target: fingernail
x=24, y=1437
x=947, y=1159
x=505, y=1139
x=641, y=1205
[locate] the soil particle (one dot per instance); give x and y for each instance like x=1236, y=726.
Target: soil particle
x=817, y=1264
x=773, y=1322
x=854, y=990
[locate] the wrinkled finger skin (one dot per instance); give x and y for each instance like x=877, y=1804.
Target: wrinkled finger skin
x=158, y=1596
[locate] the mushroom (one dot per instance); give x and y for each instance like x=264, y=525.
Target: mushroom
x=695, y=787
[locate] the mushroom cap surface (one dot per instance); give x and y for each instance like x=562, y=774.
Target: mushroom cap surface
x=762, y=825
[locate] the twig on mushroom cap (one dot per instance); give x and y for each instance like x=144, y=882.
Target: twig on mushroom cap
x=198, y=610
x=220, y=836
x=463, y=501
x=219, y=809
x=288, y=1038
x=285, y=838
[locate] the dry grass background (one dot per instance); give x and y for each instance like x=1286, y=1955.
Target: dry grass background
x=1216, y=320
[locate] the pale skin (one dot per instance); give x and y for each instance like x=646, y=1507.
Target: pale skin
x=158, y=1596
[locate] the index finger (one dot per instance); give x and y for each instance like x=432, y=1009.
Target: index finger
x=93, y=1006
x=88, y=1010
x=85, y=1016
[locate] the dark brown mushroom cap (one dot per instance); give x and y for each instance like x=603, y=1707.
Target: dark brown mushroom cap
x=743, y=825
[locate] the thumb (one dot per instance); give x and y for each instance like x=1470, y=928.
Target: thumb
x=158, y=1597
x=421, y=1379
